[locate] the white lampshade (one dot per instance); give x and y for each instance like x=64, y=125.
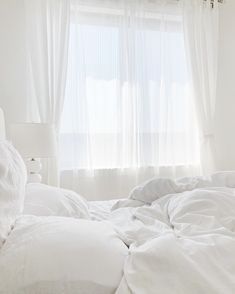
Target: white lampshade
x=34, y=140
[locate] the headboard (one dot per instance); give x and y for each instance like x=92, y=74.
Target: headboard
x=2, y=125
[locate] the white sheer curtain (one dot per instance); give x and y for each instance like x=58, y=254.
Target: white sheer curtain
x=128, y=112
x=48, y=24
x=201, y=35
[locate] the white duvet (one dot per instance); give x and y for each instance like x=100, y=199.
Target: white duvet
x=180, y=234
x=182, y=243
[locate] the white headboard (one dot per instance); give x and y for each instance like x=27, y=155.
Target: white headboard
x=2, y=125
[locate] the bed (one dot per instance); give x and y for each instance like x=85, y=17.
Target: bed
x=169, y=236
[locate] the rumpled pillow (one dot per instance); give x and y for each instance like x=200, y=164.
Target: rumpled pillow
x=44, y=200
x=13, y=177
x=52, y=255
x=158, y=187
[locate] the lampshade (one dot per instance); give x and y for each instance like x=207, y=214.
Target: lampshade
x=34, y=140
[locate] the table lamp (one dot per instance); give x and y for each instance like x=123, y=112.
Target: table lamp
x=34, y=141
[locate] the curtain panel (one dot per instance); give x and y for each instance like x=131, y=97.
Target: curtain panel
x=48, y=23
x=201, y=39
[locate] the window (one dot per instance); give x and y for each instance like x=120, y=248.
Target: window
x=128, y=101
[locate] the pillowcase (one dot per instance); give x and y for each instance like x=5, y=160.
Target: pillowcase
x=44, y=200
x=13, y=178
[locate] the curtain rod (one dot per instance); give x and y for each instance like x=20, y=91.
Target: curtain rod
x=213, y=2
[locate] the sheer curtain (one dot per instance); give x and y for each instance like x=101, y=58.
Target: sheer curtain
x=48, y=24
x=201, y=39
x=128, y=112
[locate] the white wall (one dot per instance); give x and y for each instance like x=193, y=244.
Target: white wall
x=225, y=109
x=12, y=60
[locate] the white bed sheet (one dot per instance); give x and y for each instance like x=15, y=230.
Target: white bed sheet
x=100, y=210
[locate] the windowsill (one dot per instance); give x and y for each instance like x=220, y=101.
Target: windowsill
x=180, y=166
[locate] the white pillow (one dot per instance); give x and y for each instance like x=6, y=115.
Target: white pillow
x=13, y=177
x=52, y=255
x=158, y=187
x=44, y=200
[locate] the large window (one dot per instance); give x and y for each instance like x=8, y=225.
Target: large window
x=128, y=100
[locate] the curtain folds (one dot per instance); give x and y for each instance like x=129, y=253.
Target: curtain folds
x=128, y=112
x=201, y=39
x=48, y=23
x=130, y=86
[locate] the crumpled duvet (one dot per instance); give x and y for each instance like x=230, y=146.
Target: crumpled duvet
x=181, y=243
x=180, y=234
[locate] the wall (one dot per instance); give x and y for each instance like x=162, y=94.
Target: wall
x=13, y=83
x=225, y=108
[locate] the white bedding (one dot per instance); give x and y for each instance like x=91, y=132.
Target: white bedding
x=12, y=187
x=183, y=243
x=180, y=234
x=55, y=255
x=44, y=200
x=100, y=210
